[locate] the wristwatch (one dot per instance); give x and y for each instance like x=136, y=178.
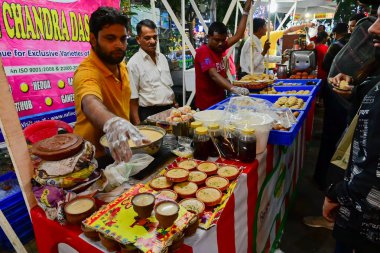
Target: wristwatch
x=245, y=13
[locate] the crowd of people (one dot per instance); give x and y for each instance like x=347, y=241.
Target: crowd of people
x=112, y=97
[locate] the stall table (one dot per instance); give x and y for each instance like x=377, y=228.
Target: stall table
x=251, y=221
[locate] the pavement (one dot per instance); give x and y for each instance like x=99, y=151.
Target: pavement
x=297, y=237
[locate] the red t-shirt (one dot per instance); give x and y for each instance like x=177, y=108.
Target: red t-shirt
x=321, y=52
x=208, y=92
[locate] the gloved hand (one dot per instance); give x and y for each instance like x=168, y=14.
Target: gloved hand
x=118, y=131
x=240, y=91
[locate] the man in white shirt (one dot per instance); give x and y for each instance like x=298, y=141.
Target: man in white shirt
x=259, y=30
x=149, y=76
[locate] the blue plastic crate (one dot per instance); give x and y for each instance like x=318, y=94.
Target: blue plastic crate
x=297, y=82
x=25, y=236
x=313, y=90
x=277, y=137
x=296, y=88
x=14, y=209
x=13, y=199
x=286, y=138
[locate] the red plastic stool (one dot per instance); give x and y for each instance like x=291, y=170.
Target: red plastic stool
x=44, y=129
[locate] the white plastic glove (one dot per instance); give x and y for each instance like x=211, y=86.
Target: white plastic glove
x=118, y=131
x=240, y=91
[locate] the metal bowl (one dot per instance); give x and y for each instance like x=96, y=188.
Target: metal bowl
x=151, y=148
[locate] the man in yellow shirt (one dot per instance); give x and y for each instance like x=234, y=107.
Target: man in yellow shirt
x=101, y=87
x=276, y=35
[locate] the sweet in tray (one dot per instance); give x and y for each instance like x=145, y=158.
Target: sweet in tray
x=208, y=167
x=187, y=164
x=177, y=175
x=185, y=189
x=160, y=183
x=255, y=81
x=206, y=185
x=228, y=171
x=218, y=182
x=290, y=102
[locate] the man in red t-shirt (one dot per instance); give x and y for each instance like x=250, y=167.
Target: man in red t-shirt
x=321, y=49
x=210, y=71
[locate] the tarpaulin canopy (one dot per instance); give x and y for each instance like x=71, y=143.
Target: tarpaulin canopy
x=305, y=6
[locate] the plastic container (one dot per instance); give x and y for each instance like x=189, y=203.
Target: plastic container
x=228, y=142
x=193, y=126
x=208, y=117
x=310, y=88
x=14, y=209
x=214, y=133
x=247, y=145
x=262, y=124
x=286, y=138
x=170, y=141
x=201, y=144
x=296, y=82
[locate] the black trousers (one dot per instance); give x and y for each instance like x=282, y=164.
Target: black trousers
x=334, y=124
x=145, y=112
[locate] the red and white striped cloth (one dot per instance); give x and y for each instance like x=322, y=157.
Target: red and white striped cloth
x=250, y=222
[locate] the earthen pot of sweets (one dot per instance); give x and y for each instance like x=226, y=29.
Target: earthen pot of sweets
x=177, y=175
x=197, y=177
x=166, y=213
x=78, y=209
x=168, y=194
x=90, y=233
x=129, y=248
x=193, y=204
x=187, y=165
x=143, y=204
x=109, y=243
x=193, y=224
x=177, y=243
x=217, y=182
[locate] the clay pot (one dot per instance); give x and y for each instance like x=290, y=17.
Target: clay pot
x=193, y=224
x=166, y=213
x=169, y=194
x=109, y=243
x=143, y=204
x=78, y=209
x=90, y=233
x=177, y=244
x=129, y=248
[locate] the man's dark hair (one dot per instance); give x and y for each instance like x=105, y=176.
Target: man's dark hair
x=217, y=27
x=105, y=16
x=357, y=17
x=321, y=36
x=146, y=22
x=258, y=23
x=340, y=28
x=324, y=27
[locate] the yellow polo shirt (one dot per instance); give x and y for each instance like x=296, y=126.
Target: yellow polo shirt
x=93, y=78
x=274, y=37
